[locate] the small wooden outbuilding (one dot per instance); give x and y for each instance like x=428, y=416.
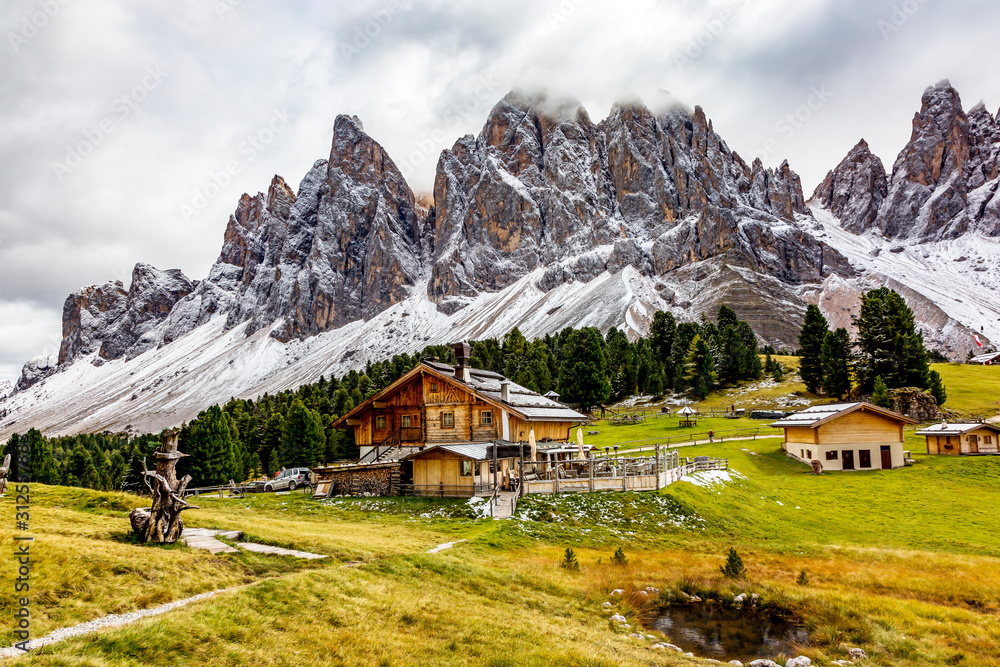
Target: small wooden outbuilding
x=457, y=470
x=955, y=439
x=846, y=436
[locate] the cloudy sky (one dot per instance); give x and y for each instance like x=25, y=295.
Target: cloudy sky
x=129, y=128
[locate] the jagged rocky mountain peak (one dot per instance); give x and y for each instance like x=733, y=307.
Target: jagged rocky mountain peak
x=854, y=190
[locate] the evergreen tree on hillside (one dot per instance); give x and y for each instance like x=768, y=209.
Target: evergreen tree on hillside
x=42, y=467
x=880, y=393
x=814, y=330
x=750, y=367
x=80, y=470
x=661, y=336
x=836, y=363
x=889, y=346
x=302, y=439
x=487, y=355
x=622, y=370
x=515, y=352
x=699, y=368
x=583, y=377
x=212, y=448
x=936, y=387
x=683, y=336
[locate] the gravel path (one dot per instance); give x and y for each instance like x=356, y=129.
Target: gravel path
x=441, y=547
x=110, y=621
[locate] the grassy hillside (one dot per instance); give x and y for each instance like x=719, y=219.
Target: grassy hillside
x=904, y=563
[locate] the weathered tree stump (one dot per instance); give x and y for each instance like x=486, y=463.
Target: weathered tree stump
x=161, y=522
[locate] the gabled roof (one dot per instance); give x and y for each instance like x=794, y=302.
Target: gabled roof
x=486, y=385
x=985, y=358
x=821, y=414
x=956, y=429
x=476, y=451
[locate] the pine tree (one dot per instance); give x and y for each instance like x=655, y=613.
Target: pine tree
x=889, y=346
x=303, y=438
x=212, y=448
x=274, y=464
x=569, y=561
x=880, y=394
x=836, y=363
x=622, y=372
x=583, y=377
x=936, y=387
x=41, y=465
x=699, y=368
x=814, y=330
x=661, y=336
x=734, y=568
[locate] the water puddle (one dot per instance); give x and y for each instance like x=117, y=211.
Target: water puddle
x=727, y=633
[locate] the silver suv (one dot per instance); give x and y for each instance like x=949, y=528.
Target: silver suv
x=289, y=479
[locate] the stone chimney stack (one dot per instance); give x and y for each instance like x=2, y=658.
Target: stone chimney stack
x=463, y=352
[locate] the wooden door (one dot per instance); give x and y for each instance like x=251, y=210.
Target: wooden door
x=973, y=444
x=848, y=457
x=886, y=458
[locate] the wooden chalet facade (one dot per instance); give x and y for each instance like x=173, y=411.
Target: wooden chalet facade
x=441, y=404
x=846, y=436
x=967, y=439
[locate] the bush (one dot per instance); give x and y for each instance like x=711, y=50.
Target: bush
x=569, y=561
x=803, y=578
x=619, y=558
x=734, y=568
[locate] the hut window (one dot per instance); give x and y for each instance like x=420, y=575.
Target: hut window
x=447, y=420
x=380, y=422
x=988, y=439
x=865, y=458
x=831, y=456
x=809, y=453
x=466, y=468
x=434, y=386
x=407, y=422
x=486, y=417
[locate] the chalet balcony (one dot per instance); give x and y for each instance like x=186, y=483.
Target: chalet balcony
x=412, y=434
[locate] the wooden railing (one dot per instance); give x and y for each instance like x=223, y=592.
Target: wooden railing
x=444, y=490
x=736, y=433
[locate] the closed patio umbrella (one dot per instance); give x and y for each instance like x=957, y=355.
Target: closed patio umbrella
x=579, y=442
x=532, y=445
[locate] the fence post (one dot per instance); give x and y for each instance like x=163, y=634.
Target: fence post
x=657, y=466
x=590, y=465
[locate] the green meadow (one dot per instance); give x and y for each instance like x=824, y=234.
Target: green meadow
x=904, y=564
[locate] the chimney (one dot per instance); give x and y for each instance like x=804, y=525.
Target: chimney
x=462, y=352
x=505, y=391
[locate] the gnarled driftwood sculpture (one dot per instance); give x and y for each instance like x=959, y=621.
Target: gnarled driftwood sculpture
x=4, y=469
x=162, y=522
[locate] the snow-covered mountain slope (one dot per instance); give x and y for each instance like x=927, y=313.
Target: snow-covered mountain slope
x=542, y=221
x=171, y=384
x=953, y=286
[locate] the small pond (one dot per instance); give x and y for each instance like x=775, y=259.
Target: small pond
x=726, y=633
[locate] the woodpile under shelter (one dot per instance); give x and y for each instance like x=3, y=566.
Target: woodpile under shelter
x=956, y=439
x=845, y=436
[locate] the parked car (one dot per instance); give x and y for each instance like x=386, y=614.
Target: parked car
x=289, y=479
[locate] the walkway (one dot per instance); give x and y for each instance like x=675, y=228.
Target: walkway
x=505, y=501
x=205, y=538
x=692, y=443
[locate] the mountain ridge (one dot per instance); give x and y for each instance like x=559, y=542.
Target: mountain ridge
x=640, y=212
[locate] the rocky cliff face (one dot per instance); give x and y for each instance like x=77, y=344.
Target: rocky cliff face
x=944, y=182
x=855, y=189
x=542, y=186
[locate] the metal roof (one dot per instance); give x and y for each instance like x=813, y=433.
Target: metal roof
x=983, y=358
x=820, y=414
x=477, y=451
x=530, y=404
x=956, y=429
